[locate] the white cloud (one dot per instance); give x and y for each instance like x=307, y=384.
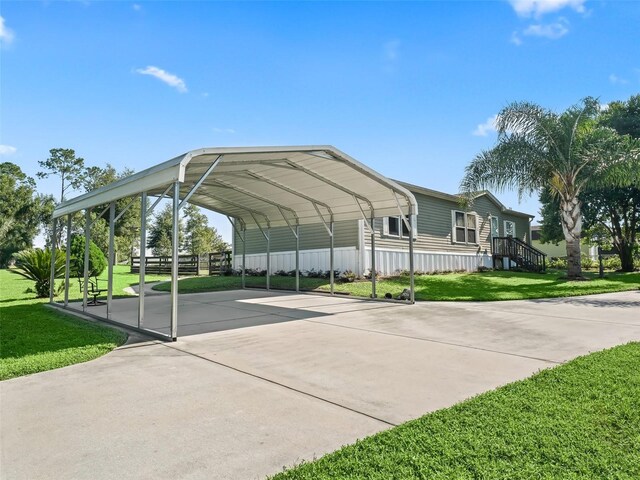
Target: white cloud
x=552, y=31
x=166, y=77
x=223, y=130
x=616, y=80
x=515, y=39
x=538, y=8
x=6, y=34
x=390, y=50
x=137, y=7
x=484, y=129
x=7, y=150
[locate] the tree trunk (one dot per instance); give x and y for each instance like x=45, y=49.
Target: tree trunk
x=625, y=251
x=571, y=220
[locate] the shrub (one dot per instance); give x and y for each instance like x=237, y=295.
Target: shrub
x=347, y=276
x=557, y=262
x=367, y=274
x=97, y=260
x=281, y=273
x=587, y=262
x=612, y=263
x=35, y=264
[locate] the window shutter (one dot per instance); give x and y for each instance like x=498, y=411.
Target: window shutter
x=385, y=226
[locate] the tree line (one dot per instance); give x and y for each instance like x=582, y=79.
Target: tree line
x=24, y=212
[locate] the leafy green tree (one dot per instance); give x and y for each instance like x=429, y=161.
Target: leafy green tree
x=35, y=264
x=63, y=163
x=200, y=238
x=624, y=117
x=22, y=211
x=161, y=232
x=97, y=259
x=565, y=153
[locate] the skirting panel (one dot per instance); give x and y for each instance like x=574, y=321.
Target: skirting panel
x=345, y=258
x=390, y=261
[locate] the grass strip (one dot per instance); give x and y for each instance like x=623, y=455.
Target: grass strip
x=486, y=286
x=580, y=420
x=34, y=338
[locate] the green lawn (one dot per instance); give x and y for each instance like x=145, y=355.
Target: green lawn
x=576, y=421
x=496, y=285
x=34, y=338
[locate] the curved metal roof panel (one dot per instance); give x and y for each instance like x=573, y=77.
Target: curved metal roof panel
x=272, y=186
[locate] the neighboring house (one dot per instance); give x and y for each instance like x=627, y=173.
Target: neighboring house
x=446, y=237
x=559, y=249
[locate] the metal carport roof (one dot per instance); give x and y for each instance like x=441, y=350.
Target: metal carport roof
x=268, y=186
x=261, y=186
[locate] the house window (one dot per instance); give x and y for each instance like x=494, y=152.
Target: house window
x=509, y=228
x=465, y=227
x=495, y=227
x=396, y=227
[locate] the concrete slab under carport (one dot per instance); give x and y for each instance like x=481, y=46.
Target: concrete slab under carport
x=243, y=402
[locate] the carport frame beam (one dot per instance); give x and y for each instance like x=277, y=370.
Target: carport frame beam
x=175, y=241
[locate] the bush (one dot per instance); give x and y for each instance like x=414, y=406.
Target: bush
x=557, y=263
x=612, y=263
x=587, y=262
x=35, y=264
x=347, y=276
x=97, y=260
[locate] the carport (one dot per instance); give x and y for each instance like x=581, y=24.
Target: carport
x=255, y=187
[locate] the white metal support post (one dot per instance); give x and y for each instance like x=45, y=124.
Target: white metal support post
x=175, y=241
x=112, y=231
x=244, y=251
x=143, y=257
x=52, y=276
x=297, y=258
x=331, y=274
x=67, y=263
x=268, y=256
x=411, y=265
x=373, y=259
x=87, y=240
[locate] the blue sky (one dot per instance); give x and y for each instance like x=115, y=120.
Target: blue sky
x=407, y=88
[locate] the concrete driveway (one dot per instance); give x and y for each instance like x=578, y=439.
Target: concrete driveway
x=244, y=402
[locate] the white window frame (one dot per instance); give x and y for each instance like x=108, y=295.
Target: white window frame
x=466, y=228
x=401, y=235
x=504, y=226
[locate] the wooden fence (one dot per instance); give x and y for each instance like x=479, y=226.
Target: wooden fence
x=187, y=265
x=215, y=263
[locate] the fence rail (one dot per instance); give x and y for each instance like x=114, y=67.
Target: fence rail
x=187, y=265
x=219, y=262
x=216, y=263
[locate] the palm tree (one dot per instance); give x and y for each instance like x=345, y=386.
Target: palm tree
x=35, y=264
x=537, y=148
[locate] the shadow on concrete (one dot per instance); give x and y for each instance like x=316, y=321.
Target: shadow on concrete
x=200, y=313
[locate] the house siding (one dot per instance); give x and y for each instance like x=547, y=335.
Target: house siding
x=433, y=246
x=434, y=227
x=311, y=237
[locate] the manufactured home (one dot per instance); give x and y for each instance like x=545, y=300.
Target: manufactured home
x=446, y=237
